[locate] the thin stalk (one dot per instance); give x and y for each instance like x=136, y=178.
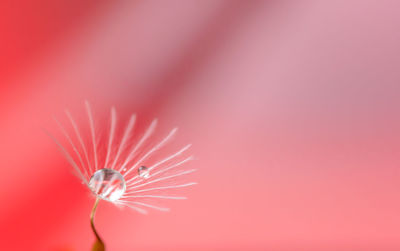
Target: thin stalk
x=99, y=244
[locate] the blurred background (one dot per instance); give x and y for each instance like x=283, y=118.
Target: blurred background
x=292, y=108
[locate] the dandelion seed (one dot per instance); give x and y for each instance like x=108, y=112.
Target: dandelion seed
x=121, y=175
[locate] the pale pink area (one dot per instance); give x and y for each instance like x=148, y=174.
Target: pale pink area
x=292, y=108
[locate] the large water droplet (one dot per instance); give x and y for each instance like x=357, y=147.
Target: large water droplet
x=107, y=184
x=144, y=172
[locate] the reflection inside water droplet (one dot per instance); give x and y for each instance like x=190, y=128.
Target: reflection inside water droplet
x=107, y=184
x=144, y=172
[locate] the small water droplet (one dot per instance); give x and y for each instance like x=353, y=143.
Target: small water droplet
x=107, y=184
x=124, y=169
x=144, y=172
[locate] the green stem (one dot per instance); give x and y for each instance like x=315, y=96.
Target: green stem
x=99, y=244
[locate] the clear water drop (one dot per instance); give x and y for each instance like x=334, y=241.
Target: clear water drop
x=144, y=172
x=124, y=169
x=108, y=184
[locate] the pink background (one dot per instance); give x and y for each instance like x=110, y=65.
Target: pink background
x=293, y=108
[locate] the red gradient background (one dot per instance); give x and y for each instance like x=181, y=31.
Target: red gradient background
x=293, y=108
